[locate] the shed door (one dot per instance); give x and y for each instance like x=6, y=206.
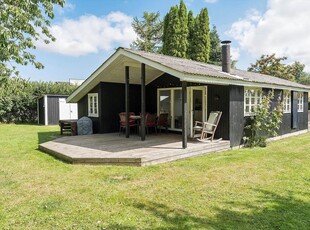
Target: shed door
x=73, y=111
x=64, y=109
x=67, y=111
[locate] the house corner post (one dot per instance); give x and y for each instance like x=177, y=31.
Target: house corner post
x=142, y=102
x=184, y=115
x=127, y=100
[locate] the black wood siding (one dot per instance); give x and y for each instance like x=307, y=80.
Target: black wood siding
x=300, y=118
x=83, y=109
x=294, y=108
x=111, y=100
x=236, y=115
x=41, y=111
x=164, y=81
x=218, y=100
x=53, y=110
x=228, y=99
x=303, y=116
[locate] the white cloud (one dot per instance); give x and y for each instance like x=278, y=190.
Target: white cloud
x=283, y=29
x=90, y=34
x=67, y=7
x=211, y=1
x=234, y=53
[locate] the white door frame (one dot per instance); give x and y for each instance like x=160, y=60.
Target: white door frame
x=190, y=110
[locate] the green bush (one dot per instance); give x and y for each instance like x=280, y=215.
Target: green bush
x=18, y=98
x=265, y=123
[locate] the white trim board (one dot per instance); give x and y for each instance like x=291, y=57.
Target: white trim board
x=287, y=135
x=45, y=110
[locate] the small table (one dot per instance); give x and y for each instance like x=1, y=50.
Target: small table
x=68, y=125
x=136, y=117
x=138, y=120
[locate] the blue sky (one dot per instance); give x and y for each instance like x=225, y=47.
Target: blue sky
x=88, y=32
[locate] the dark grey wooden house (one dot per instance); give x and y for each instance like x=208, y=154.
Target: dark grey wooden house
x=52, y=108
x=142, y=82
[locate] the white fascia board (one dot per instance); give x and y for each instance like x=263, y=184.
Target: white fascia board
x=209, y=80
x=38, y=111
x=45, y=110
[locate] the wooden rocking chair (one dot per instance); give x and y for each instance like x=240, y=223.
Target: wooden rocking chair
x=202, y=129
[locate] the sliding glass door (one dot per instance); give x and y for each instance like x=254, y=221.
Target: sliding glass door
x=169, y=100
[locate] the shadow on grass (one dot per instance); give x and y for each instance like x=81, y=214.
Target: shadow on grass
x=271, y=211
x=47, y=136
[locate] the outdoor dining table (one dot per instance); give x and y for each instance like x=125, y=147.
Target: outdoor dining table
x=137, y=118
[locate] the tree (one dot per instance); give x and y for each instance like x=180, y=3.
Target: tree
x=201, y=37
x=304, y=79
x=165, y=37
x=22, y=23
x=215, y=47
x=149, y=31
x=176, y=31
x=172, y=28
x=18, y=98
x=183, y=44
x=271, y=65
x=297, y=70
x=191, y=29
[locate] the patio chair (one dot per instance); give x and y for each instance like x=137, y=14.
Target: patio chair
x=203, y=129
x=150, y=122
x=122, y=121
x=162, y=121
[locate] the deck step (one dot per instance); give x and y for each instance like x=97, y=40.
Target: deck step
x=185, y=155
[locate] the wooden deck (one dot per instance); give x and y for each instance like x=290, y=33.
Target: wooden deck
x=112, y=149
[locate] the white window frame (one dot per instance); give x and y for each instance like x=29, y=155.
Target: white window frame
x=258, y=95
x=300, y=105
x=93, y=107
x=287, y=101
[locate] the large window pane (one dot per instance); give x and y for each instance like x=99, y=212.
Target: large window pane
x=177, y=109
x=197, y=105
x=164, y=102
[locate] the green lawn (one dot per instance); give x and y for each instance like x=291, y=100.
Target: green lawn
x=267, y=188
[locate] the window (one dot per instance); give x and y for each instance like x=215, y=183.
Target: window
x=300, y=102
x=286, y=101
x=93, y=105
x=252, y=98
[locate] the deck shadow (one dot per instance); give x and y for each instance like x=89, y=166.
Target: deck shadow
x=47, y=136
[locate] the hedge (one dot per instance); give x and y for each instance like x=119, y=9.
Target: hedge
x=18, y=98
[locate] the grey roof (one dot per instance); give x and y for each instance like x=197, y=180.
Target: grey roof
x=203, y=69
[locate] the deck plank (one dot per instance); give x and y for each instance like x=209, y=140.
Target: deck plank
x=112, y=149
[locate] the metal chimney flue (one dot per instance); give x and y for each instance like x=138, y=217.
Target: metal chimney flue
x=226, y=56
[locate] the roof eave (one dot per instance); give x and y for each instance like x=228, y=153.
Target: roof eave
x=78, y=93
